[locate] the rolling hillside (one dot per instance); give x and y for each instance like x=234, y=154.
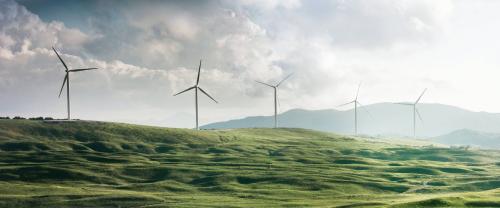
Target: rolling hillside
x=96, y=164
x=385, y=119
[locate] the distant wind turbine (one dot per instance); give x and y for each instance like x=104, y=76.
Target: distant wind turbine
x=275, y=87
x=356, y=103
x=415, y=111
x=66, y=80
x=196, y=88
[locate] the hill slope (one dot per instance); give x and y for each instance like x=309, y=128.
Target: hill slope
x=385, y=119
x=469, y=137
x=95, y=164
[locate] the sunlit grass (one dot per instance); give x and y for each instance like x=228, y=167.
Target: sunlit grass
x=94, y=164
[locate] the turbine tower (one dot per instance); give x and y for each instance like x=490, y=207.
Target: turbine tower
x=196, y=88
x=66, y=80
x=275, y=88
x=356, y=103
x=415, y=111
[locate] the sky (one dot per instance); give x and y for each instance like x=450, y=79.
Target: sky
x=146, y=51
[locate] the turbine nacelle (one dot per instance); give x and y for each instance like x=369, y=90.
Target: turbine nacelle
x=416, y=101
x=356, y=104
x=415, y=110
x=66, y=78
x=275, y=87
x=196, y=88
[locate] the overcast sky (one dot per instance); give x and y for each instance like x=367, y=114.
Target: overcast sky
x=149, y=50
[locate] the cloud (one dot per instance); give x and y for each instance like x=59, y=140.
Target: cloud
x=363, y=24
x=146, y=51
x=272, y=4
x=31, y=77
x=21, y=30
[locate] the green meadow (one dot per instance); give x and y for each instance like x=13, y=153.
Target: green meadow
x=98, y=164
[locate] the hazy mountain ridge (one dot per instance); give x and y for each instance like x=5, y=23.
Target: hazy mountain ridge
x=386, y=119
x=469, y=137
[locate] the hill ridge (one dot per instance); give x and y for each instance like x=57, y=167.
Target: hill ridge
x=386, y=119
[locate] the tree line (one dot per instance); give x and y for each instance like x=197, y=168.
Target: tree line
x=39, y=118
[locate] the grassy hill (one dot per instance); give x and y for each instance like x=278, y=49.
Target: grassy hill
x=95, y=164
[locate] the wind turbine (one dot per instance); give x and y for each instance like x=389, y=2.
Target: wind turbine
x=356, y=103
x=66, y=80
x=196, y=88
x=275, y=88
x=415, y=111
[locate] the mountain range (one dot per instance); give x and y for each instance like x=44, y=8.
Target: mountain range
x=467, y=137
x=381, y=119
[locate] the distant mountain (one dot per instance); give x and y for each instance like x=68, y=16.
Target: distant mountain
x=386, y=119
x=469, y=137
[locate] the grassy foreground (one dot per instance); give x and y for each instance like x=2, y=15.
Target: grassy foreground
x=94, y=164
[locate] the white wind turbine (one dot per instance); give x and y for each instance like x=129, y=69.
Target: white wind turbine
x=415, y=110
x=275, y=88
x=66, y=80
x=196, y=88
x=356, y=103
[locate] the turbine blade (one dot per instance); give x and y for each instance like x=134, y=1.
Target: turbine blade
x=199, y=71
x=84, y=69
x=364, y=108
x=64, y=64
x=357, y=93
x=265, y=84
x=419, y=116
x=185, y=90
x=404, y=103
x=203, y=91
x=64, y=82
x=346, y=103
x=284, y=79
x=421, y=95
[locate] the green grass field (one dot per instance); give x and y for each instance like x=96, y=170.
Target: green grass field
x=95, y=164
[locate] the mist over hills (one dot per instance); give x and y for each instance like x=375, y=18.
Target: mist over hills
x=385, y=119
x=463, y=137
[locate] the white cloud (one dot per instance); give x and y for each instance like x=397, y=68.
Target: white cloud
x=21, y=30
x=272, y=4
x=146, y=51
